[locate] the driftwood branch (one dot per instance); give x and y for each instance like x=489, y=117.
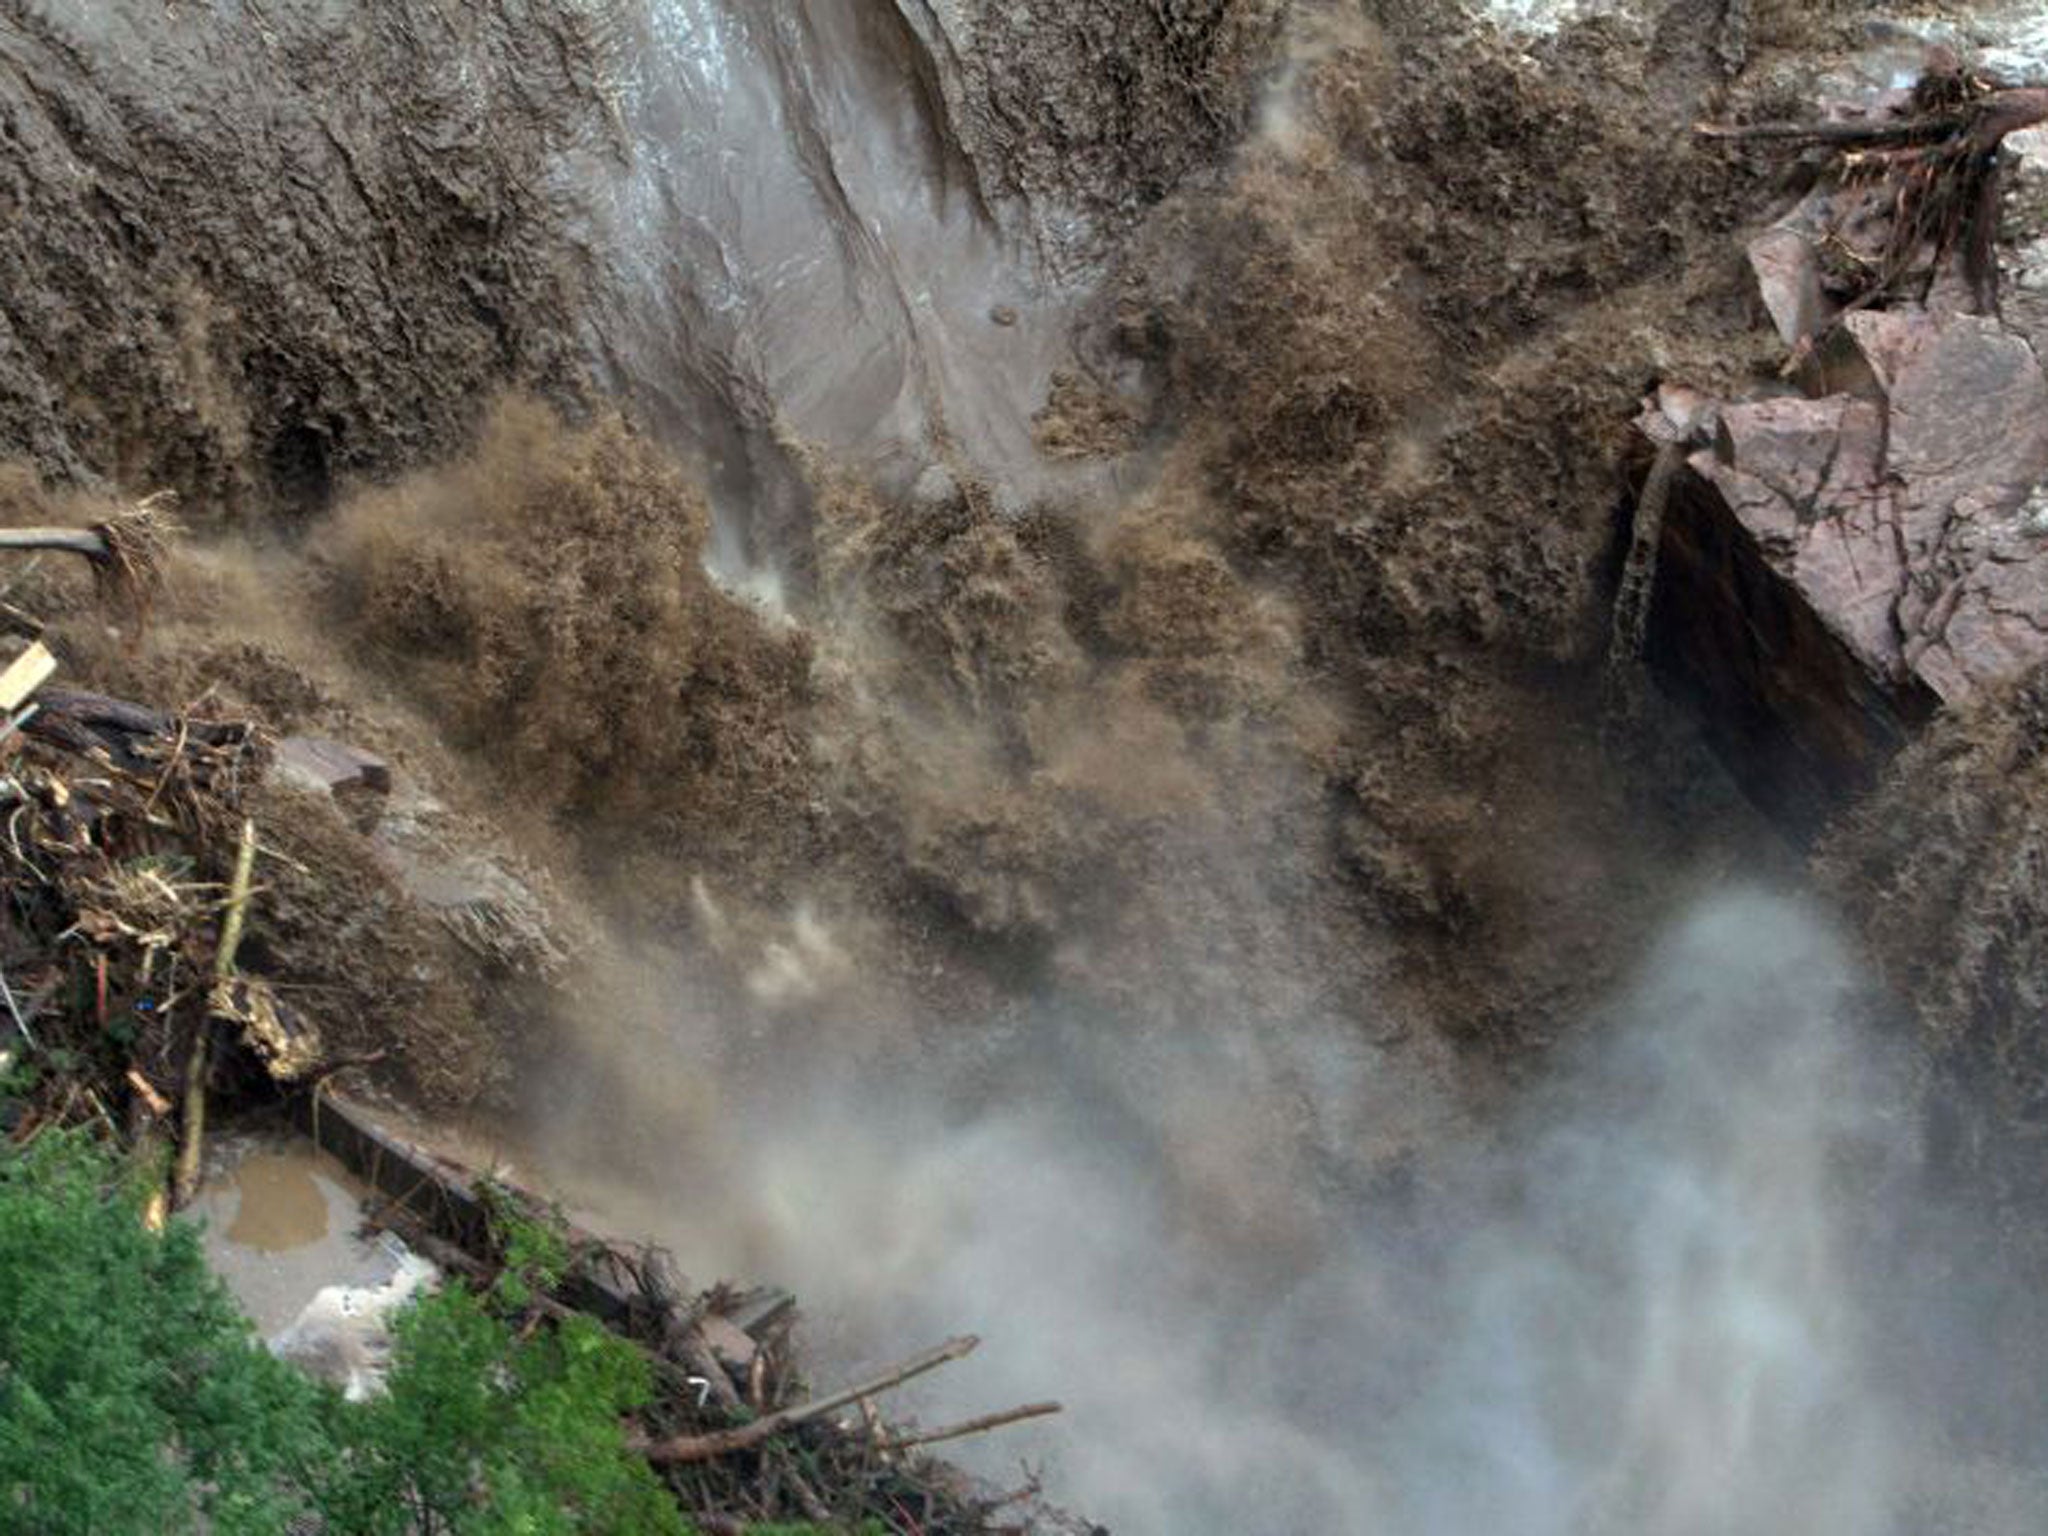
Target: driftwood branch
x=1986, y=121
x=1873, y=134
x=186, y=1182
x=457, y=1261
x=128, y=551
x=71, y=541
x=692, y=1448
x=966, y=1427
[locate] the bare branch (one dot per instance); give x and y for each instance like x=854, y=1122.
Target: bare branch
x=689, y=1448
x=966, y=1427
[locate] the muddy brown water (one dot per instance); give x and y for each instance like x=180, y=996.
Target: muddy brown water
x=282, y=1222
x=799, y=243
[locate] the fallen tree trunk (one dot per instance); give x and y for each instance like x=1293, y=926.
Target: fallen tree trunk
x=191, y=1150
x=127, y=551
x=1986, y=121
x=110, y=717
x=1935, y=169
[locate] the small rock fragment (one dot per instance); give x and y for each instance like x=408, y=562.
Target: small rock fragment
x=730, y=1347
x=332, y=767
x=1788, y=282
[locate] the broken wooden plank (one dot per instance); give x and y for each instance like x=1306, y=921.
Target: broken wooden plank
x=333, y=767
x=24, y=675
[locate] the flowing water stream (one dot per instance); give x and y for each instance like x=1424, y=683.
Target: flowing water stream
x=1691, y=1286
x=804, y=251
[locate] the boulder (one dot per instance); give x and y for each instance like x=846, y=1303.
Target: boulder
x=1834, y=570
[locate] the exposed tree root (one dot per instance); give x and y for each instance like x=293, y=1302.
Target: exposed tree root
x=1940, y=165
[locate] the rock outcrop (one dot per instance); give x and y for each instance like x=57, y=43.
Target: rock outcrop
x=1858, y=545
x=1836, y=569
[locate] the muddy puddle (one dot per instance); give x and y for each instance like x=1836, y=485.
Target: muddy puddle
x=282, y=1222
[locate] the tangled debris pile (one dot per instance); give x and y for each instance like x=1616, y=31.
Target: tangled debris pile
x=737, y=1431
x=118, y=904
x=137, y=843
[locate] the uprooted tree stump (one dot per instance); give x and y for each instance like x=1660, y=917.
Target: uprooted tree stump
x=127, y=551
x=1940, y=164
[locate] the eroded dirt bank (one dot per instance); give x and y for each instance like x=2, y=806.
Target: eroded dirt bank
x=1362, y=432
x=1173, y=456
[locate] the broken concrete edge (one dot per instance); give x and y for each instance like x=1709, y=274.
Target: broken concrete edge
x=446, y=1200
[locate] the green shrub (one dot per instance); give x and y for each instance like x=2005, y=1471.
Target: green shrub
x=132, y=1394
x=483, y=1433
x=134, y=1397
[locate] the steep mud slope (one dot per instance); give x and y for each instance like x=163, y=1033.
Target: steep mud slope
x=1391, y=344
x=1087, y=150
x=1944, y=868
x=544, y=604
x=867, y=226
x=251, y=253
x=248, y=252
x=1159, y=801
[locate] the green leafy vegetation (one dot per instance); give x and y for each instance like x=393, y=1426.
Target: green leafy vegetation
x=135, y=1398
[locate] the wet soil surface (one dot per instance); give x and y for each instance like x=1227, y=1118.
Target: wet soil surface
x=249, y=252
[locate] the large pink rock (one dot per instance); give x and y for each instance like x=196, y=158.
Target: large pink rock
x=1835, y=569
